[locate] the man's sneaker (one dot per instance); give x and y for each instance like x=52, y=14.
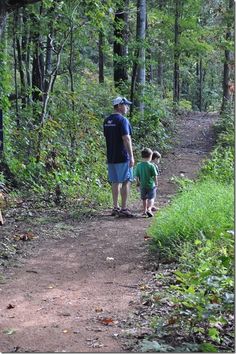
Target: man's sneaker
x=149, y=214
x=115, y=211
x=126, y=212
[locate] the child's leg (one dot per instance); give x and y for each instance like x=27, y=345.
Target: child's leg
x=145, y=205
x=150, y=203
x=155, y=199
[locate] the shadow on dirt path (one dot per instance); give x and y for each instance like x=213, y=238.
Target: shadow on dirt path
x=80, y=280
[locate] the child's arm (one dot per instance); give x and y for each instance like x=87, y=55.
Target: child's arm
x=156, y=181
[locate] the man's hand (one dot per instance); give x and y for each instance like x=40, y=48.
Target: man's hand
x=128, y=145
x=131, y=162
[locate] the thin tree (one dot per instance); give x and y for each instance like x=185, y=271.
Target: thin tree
x=228, y=60
x=120, y=43
x=101, y=57
x=139, y=66
x=176, y=79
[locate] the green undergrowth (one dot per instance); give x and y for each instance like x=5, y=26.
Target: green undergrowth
x=196, y=231
x=202, y=208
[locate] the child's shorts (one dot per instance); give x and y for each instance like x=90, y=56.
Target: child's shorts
x=120, y=172
x=148, y=193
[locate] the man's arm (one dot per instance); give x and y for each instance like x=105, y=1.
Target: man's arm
x=128, y=145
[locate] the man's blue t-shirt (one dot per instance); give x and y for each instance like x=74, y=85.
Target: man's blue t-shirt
x=114, y=127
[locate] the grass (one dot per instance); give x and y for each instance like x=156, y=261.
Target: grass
x=203, y=208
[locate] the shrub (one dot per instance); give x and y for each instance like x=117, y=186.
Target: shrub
x=221, y=165
x=154, y=129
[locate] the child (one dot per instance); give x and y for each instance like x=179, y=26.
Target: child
x=146, y=177
x=156, y=156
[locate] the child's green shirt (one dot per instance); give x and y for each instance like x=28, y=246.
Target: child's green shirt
x=146, y=173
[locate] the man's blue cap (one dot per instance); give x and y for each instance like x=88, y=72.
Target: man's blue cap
x=121, y=100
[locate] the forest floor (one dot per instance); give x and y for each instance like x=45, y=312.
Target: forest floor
x=76, y=285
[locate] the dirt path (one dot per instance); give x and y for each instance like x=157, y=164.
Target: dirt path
x=68, y=295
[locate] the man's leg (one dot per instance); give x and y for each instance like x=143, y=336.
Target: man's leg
x=115, y=193
x=124, y=192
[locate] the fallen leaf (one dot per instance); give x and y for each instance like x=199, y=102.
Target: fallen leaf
x=91, y=339
x=171, y=320
x=10, y=306
x=146, y=238
x=66, y=314
x=65, y=331
x=9, y=331
x=98, y=309
x=96, y=345
x=156, y=298
x=26, y=236
x=16, y=238
x=106, y=321
x=144, y=287
x=76, y=331
x=51, y=286
x=147, y=302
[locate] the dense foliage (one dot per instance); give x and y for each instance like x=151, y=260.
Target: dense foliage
x=57, y=64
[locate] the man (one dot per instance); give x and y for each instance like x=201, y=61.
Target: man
x=120, y=158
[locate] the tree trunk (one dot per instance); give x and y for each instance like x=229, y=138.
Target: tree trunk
x=37, y=69
x=71, y=72
x=149, y=55
x=46, y=96
x=20, y=55
x=120, y=44
x=15, y=78
x=198, y=97
x=176, y=83
x=133, y=81
x=141, y=69
x=160, y=62
x=3, y=17
x=101, y=57
x=200, y=85
x=227, y=72
x=141, y=33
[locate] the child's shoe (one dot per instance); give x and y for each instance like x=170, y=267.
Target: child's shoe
x=149, y=214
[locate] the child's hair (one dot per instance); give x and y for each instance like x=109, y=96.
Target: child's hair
x=146, y=152
x=156, y=155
